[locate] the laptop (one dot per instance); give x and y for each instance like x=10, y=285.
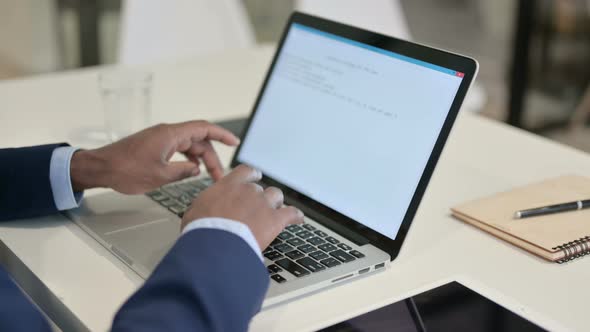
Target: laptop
x=349, y=124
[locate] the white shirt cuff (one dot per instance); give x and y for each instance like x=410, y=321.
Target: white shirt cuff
x=229, y=225
x=59, y=178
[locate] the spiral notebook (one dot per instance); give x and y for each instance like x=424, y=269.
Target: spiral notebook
x=557, y=237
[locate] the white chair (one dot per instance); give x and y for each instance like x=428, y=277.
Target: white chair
x=156, y=30
x=383, y=16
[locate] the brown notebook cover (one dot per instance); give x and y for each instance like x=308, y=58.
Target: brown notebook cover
x=556, y=237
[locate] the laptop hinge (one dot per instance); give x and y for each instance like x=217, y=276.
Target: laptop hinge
x=332, y=224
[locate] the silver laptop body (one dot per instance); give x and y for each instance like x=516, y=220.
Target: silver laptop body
x=140, y=232
x=357, y=215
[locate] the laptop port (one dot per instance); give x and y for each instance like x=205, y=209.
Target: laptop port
x=342, y=278
x=364, y=270
x=378, y=266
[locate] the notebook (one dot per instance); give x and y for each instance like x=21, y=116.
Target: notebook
x=557, y=237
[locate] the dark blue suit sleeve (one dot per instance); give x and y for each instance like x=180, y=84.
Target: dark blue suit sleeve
x=211, y=280
x=16, y=312
x=25, y=190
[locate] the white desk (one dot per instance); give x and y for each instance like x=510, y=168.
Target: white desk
x=81, y=284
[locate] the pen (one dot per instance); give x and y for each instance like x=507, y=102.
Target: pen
x=543, y=210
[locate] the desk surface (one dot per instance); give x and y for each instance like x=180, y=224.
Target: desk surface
x=87, y=284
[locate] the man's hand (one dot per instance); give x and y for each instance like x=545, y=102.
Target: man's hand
x=141, y=162
x=237, y=197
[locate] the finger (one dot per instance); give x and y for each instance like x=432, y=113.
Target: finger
x=194, y=159
x=255, y=187
x=205, y=151
x=179, y=170
x=289, y=215
x=198, y=131
x=274, y=196
x=243, y=174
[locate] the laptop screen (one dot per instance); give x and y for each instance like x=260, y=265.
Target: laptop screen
x=349, y=125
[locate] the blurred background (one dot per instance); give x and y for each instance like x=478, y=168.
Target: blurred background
x=534, y=54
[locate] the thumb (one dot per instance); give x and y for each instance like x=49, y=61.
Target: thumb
x=179, y=170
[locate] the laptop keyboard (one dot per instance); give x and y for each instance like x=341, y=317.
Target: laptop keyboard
x=299, y=249
x=178, y=196
x=302, y=250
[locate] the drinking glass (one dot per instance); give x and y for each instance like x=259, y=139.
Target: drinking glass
x=126, y=98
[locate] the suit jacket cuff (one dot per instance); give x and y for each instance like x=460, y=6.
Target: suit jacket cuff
x=228, y=225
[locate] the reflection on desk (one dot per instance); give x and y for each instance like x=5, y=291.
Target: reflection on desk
x=451, y=307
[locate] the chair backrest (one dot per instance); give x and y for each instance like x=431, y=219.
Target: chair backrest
x=157, y=30
x=384, y=16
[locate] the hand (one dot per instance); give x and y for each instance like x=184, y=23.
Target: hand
x=141, y=162
x=238, y=198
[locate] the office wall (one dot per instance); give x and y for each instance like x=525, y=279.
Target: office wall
x=29, y=36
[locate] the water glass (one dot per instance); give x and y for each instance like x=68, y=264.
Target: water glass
x=126, y=98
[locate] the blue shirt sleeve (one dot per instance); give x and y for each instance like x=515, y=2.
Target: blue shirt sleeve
x=228, y=225
x=59, y=177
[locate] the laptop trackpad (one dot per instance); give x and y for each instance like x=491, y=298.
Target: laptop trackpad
x=111, y=211
x=145, y=244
